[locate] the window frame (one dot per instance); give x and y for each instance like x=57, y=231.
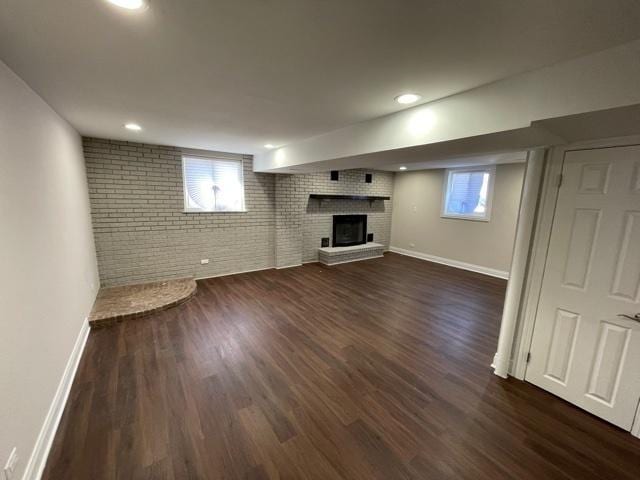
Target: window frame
x=448, y=176
x=213, y=158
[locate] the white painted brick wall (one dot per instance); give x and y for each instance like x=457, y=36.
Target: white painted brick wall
x=289, y=210
x=142, y=233
x=314, y=218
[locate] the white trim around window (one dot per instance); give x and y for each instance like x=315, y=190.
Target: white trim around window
x=212, y=184
x=467, y=193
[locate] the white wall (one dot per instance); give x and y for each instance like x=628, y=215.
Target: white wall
x=48, y=266
x=448, y=238
x=598, y=81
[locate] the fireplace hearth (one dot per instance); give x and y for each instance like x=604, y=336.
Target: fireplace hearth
x=349, y=230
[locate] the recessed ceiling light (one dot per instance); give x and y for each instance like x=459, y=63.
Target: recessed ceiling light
x=408, y=98
x=133, y=126
x=129, y=4
x=268, y=145
x=403, y=168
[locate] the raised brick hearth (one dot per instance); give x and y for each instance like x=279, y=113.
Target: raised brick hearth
x=336, y=255
x=115, y=304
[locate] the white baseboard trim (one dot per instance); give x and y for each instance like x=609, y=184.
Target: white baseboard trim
x=452, y=263
x=40, y=452
x=289, y=266
x=635, y=428
x=234, y=273
x=496, y=361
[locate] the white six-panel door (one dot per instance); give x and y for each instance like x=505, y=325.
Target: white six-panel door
x=583, y=350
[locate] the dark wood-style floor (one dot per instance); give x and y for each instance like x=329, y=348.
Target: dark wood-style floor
x=370, y=370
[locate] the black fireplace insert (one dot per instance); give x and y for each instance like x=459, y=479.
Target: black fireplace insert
x=349, y=230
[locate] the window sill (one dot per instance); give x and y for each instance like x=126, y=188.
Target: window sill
x=215, y=211
x=466, y=217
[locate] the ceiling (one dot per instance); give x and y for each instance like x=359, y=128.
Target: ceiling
x=509, y=146
x=463, y=161
x=234, y=75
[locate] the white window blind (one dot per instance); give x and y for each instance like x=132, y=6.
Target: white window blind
x=212, y=184
x=468, y=193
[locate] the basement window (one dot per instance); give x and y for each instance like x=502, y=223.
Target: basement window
x=468, y=193
x=212, y=184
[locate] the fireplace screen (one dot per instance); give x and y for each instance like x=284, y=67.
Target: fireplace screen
x=349, y=230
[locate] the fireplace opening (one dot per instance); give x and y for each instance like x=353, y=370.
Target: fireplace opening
x=349, y=230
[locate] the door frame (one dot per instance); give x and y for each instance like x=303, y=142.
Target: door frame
x=539, y=247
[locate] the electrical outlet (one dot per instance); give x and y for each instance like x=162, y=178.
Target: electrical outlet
x=414, y=208
x=10, y=466
x=204, y=261
x=412, y=245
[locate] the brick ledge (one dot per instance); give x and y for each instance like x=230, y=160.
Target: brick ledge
x=117, y=304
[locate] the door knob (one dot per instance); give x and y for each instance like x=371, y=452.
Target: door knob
x=636, y=317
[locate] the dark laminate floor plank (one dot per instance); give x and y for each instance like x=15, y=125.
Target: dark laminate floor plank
x=371, y=370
